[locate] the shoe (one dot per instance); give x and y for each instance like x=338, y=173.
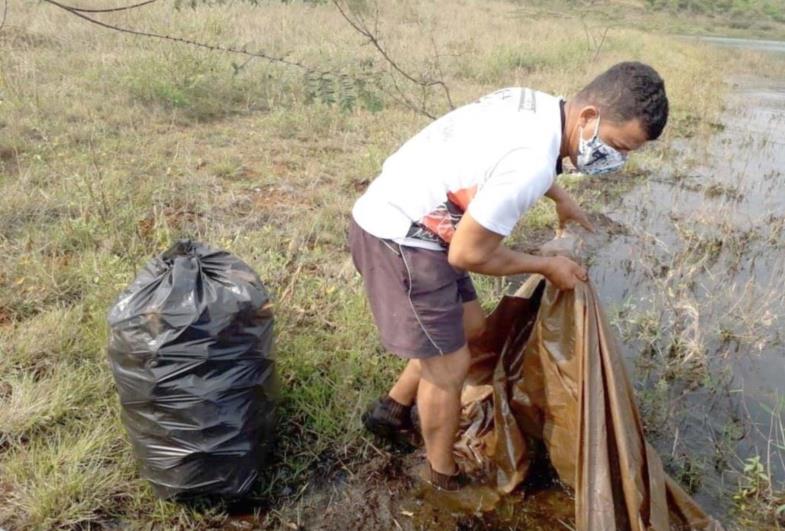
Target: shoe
x=458, y=493
x=391, y=421
x=447, y=483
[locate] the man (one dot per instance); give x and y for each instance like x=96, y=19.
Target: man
x=442, y=206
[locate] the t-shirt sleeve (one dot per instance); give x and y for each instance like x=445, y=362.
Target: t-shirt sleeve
x=517, y=181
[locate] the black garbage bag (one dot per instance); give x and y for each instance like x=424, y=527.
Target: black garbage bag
x=191, y=352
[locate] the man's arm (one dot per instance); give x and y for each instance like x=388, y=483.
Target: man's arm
x=556, y=193
x=475, y=248
x=566, y=208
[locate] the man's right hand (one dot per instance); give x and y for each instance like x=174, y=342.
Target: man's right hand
x=564, y=273
x=477, y=249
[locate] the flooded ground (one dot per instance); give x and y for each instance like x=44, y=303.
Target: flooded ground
x=695, y=286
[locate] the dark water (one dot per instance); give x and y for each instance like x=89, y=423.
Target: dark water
x=695, y=284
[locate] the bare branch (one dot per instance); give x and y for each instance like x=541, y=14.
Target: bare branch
x=197, y=44
x=589, y=38
x=599, y=48
x=111, y=9
x=358, y=23
x=437, y=62
x=402, y=98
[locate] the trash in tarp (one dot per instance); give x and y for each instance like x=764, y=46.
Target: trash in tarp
x=548, y=368
x=191, y=353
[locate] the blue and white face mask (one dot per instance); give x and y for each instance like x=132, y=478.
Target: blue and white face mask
x=595, y=157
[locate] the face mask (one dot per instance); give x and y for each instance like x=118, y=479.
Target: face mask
x=595, y=157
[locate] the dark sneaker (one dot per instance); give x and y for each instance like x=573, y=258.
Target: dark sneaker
x=391, y=421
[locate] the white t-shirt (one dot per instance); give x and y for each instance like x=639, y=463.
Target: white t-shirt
x=495, y=157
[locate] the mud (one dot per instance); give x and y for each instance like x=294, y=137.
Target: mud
x=388, y=493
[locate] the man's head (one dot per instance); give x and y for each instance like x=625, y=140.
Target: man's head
x=629, y=103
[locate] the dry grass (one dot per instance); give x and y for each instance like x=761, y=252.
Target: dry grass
x=112, y=146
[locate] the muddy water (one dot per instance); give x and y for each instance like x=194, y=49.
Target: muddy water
x=695, y=285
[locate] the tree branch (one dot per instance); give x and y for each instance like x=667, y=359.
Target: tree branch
x=214, y=47
x=599, y=48
x=108, y=10
x=357, y=23
x=360, y=27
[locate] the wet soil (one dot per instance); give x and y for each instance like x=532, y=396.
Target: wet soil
x=388, y=492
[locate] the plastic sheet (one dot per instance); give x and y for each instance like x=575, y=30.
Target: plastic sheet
x=548, y=368
x=191, y=354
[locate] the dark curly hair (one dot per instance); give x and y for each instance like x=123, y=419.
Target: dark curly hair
x=629, y=91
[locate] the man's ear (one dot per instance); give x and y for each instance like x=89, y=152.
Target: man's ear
x=588, y=113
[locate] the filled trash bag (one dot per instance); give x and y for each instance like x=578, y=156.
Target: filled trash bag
x=191, y=353
x=548, y=368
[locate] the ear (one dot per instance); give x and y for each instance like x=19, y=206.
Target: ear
x=587, y=114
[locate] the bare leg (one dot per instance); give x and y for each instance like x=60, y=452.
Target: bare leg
x=439, y=406
x=405, y=389
x=473, y=319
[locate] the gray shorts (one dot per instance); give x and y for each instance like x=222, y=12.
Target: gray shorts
x=415, y=295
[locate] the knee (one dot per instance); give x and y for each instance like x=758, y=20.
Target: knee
x=475, y=330
x=448, y=370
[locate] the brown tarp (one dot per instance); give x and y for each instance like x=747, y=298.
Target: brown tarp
x=548, y=368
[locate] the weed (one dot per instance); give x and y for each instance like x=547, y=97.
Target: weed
x=754, y=497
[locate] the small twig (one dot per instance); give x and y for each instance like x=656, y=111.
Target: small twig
x=197, y=44
x=239, y=68
x=602, y=42
x=109, y=10
x=103, y=201
x=358, y=24
x=290, y=286
x=369, y=443
x=402, y=98
x=376, y=19
x=437, y=64
x=589, y=38
x=566, y=525
x=360, y=27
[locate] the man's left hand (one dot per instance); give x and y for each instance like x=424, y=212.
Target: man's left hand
x=569, y=211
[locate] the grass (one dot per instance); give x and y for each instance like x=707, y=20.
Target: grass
x=730, y=18
x=111, y=147
x=758, y=498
